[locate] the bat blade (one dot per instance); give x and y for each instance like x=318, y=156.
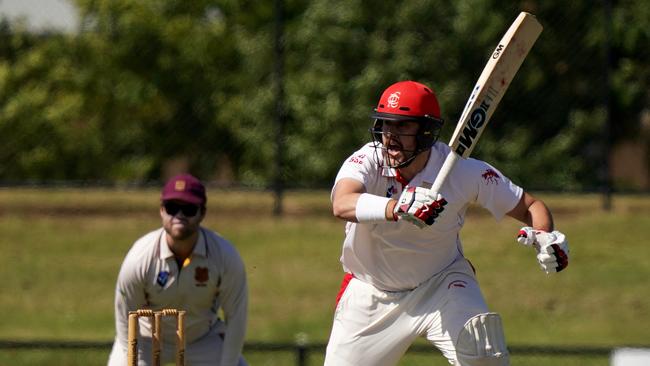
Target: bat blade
x=492, y=84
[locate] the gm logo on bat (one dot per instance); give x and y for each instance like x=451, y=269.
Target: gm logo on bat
x=497, y=51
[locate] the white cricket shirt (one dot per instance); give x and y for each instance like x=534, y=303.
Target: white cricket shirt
x=213, y=277
x=396, y=256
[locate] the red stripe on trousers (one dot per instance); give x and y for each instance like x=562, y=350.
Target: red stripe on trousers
x=344, y=285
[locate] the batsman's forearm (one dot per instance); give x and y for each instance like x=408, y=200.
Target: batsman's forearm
x=344, y=206
x=390, y=210
x=533, y=213
x=539, y=216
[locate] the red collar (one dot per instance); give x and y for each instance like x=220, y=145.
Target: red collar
x=400, y=179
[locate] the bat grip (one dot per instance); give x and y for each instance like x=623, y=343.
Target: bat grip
x=446, y=168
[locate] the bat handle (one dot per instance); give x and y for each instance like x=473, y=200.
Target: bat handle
x=446, y=168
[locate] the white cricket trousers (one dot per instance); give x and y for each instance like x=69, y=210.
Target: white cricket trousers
x=375, y=328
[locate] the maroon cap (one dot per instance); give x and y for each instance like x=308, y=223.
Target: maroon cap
x=186, y=188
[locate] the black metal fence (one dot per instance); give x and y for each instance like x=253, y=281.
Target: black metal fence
x=304, y=354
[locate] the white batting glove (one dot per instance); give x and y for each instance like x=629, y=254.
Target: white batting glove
x=420, y=206
x=552, y=248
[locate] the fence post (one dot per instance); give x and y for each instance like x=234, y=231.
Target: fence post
x=301, y=349
x=606, y=179
x=278, y=81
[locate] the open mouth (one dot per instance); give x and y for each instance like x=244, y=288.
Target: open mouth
x=394, y=154
x=394, y=148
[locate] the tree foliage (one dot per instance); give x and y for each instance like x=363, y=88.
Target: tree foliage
x=148, y=86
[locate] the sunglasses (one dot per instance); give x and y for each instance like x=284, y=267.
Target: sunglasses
x=172, y=208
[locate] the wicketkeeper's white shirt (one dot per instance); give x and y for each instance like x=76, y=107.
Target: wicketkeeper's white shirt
x=395, y=256
x=212, y=277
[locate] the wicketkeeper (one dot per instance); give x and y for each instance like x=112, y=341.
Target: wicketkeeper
x=405, y=272
x=187, y=267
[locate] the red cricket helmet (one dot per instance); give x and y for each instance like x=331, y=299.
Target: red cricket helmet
x=409, y=101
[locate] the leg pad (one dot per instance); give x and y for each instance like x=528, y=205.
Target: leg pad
x=481, y=342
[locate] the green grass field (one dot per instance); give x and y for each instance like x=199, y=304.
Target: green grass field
x=62, y=250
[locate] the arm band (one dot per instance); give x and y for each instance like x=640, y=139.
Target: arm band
x=371, y=208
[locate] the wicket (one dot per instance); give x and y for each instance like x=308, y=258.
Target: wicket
x=156, y=335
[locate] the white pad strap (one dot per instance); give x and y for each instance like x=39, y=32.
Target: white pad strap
x=371, y=208
x=481, y=342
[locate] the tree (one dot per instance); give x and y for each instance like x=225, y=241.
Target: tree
x=146, y=84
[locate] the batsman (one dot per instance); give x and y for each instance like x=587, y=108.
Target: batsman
x=405, y=272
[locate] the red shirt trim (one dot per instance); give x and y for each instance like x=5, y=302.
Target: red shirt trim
x=401, y=179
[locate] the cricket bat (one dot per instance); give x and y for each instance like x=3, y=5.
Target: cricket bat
x=489, y=89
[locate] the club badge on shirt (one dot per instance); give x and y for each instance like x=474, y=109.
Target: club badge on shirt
x=201, y=275
x=390, y=191
x=162, y=278
x=357, y=159
x=490, y=177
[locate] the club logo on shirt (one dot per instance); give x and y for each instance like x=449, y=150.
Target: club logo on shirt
x=457, y=283
x=201, y=275
x=490, y=177
x=391, y=191
x=357, y=159
x=162, y=278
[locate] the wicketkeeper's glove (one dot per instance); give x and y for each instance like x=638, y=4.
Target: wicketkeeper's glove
x=552, y=248
x=420, y=206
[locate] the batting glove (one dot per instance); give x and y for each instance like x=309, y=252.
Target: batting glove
x=552, y=248
x=420, y=206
